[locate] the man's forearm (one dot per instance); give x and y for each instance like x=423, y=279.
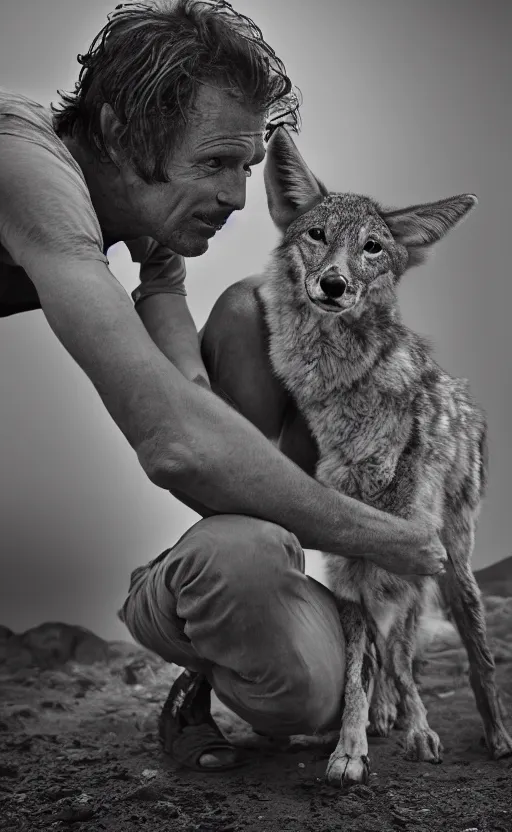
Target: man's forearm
x=168, y=321
x=188, y=439
x=236, y=470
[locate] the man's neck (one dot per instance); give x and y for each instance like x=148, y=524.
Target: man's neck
x=104, y=184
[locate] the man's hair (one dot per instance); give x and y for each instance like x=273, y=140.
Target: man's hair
x=148, y=62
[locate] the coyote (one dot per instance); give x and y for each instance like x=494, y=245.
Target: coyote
x=392, y=430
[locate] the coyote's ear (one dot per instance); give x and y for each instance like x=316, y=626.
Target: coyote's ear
x=290, y=185
x=421, y=226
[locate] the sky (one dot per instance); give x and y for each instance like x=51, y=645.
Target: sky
x=404, y=101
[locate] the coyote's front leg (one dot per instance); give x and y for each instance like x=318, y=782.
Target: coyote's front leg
x=349, y=763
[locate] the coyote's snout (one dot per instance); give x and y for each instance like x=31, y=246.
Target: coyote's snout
x=392, y=429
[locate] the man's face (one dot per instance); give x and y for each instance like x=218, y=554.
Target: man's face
x=208, y=175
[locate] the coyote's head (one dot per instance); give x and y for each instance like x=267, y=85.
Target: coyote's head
x=343, y=251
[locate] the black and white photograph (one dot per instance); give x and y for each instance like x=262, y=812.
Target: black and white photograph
x=255, y=398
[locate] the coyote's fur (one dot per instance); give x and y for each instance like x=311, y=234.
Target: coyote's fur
x=392, y=429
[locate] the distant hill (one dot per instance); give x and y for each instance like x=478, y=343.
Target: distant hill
x=497, y=578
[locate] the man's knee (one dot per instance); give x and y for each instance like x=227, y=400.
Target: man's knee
x=236, y=314
x=238, y=555
x=313, y=698
x=298, y=697
x=234, y=348
x=239, y=301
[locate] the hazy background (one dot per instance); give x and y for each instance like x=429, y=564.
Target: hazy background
x=405, y=100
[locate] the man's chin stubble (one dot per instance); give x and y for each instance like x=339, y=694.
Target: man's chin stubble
x=188, y=248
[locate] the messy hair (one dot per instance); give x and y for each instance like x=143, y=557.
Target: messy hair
x=148, y=62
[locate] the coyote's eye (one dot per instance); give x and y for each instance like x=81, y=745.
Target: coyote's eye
x=317, y=234
x=372, y=247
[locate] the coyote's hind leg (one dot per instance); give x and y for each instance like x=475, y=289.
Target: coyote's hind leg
x=462, y=595
x=421, y=742
x=383, y=706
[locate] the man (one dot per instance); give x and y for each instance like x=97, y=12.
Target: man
x=154, y=148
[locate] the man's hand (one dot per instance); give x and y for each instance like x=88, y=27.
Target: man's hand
x=431, y=552
x=419, y=550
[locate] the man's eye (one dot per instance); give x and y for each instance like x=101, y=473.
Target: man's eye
x=317, y=234
x=214, y=163
x=372, y=247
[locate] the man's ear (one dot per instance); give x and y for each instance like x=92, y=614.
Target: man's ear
x=112, y=130
x=290, y=185
x=420, y=226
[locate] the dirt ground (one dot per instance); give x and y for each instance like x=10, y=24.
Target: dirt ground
x=78, y=749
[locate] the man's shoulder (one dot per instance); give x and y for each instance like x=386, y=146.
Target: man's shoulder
x=44, y=203
x=18, y=105
x=25, y=119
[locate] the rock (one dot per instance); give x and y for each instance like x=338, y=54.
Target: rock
x=149, y=792
x=133, y=673
x=53, y=704
x=83, y=685
x=59, y=792
x=150, y=773
x=9, y=770
x=14, y=654
x=165, y=809
x=497, y=578
x=75, y=814
x=50, y=644
x=5, y=633
x=22, y=712
x=53, y=644
x=359, y=790
x=91, y=650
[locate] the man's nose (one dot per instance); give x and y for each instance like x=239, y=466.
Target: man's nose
x=235, y=195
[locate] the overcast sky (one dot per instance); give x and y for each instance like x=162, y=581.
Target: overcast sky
x=404, y=100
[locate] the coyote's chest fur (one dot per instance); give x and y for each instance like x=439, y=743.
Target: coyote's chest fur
x=383, y=437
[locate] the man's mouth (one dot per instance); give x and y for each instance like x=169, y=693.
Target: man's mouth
x=215, y=223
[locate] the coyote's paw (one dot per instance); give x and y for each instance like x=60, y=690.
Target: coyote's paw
x=500, y=743
x=382, y=720
x=423, y=746
x=344, y=771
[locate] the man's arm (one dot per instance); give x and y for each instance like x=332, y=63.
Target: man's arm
x=186, y=438
x=168, y=320
x=161, y=302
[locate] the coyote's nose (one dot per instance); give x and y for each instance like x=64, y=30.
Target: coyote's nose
x=333, y=284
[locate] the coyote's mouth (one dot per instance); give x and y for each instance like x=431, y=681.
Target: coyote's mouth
x=331, y=305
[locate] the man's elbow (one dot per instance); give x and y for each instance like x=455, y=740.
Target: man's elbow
x=167, y=466
x=194, y=477
x=202, y=380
